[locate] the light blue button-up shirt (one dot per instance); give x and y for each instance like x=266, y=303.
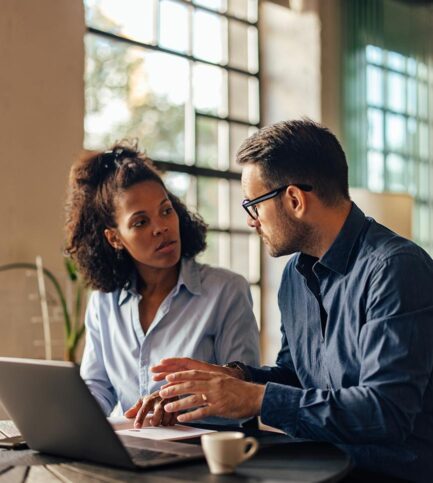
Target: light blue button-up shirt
x=208, y=316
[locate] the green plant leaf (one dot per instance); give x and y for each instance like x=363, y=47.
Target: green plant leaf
x=71, y=269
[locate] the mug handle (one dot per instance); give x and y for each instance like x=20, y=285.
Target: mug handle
x=253, y=450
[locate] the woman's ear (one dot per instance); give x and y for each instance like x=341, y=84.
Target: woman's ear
x=113, y=238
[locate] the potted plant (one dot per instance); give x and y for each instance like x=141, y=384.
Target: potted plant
x=72, y=316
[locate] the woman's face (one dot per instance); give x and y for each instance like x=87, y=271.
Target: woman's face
x=147, y=226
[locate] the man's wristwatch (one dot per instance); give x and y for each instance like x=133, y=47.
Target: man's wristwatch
x=241, y=370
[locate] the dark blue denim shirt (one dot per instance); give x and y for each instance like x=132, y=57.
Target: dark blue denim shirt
x=355, y=365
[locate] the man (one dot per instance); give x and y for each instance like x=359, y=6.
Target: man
x=356, y=302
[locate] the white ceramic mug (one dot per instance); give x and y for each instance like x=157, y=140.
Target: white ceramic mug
x=226, y=449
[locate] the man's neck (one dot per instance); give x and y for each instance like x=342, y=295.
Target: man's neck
x=329, y=222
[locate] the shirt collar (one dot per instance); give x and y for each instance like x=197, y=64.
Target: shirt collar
x=189, y=277
x=338, y=255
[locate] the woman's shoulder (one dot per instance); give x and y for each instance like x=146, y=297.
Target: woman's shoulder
x=97, y=298
x=220, y=276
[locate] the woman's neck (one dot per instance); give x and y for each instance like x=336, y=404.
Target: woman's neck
x=154, y=281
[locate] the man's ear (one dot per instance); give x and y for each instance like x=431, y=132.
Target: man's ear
x=113, y=238
x=295, y=200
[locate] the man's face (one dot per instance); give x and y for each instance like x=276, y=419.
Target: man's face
x=281, y=231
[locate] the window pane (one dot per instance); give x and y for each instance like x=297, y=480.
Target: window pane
x=422, y=99
x=213, y=4
x=411, y=97
x=238, y=134
x=396, y=61
x=183, y=186
x=243, y=97
x=206, y=138
x=395, y=132
x=213, y=201
x=422, y=71
x=374, y=54
x=411, y=67
x=128, y=18
x=423, y=181
x=238, y=45
x=375, y=128
x=243, y=46
x=396, y=92
x=397, y=172
x=238, y=216
x=245, y=9
x=239, y=104
x=412, y=167
x=374, y=86
x=424, y=223
x=423, y=141
x=211, y=143
x=375, y=171
x=173, y=26
x=131, y=93
x=240, y=254
x=209, y=37
x=217, y=252
x=245, y=256
x=412, y=135
x=397, y=175
x=210, y=89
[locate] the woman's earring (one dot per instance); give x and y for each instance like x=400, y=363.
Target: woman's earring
x=119, y=254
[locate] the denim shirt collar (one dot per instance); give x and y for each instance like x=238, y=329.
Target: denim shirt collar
x=189, y=277
x=338, y=255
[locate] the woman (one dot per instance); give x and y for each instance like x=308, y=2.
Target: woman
x=134, y=243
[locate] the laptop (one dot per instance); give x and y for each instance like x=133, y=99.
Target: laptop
x=56, y=414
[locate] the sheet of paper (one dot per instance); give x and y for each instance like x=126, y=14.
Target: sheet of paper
x=172, y=433
x=120, y=422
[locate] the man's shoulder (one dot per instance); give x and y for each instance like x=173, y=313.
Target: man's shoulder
x=381, y=244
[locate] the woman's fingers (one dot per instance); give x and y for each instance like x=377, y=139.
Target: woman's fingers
x=132, y=411
x=147, y=405
x=158, y=414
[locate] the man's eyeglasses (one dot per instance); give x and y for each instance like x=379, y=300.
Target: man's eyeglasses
x=250, y=205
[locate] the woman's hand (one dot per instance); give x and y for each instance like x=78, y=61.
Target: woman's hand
x=151, y=403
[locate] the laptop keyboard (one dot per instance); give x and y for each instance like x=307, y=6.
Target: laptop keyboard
x=140, y=455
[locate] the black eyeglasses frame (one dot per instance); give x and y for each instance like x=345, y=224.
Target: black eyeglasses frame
x=249, y=205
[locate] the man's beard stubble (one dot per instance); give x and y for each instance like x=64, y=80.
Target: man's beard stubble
x=293, y=236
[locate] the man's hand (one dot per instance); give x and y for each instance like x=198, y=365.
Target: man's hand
x=143, y=406
x=211, y=394
x=178, y=364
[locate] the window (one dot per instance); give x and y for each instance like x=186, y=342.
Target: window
x=388, y=110
x=182, y=78
x=398, y=125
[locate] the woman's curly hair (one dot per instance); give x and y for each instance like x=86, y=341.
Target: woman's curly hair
x=95, y=180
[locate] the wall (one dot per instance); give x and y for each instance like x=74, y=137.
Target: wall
x=300, y=77
x=41, y=126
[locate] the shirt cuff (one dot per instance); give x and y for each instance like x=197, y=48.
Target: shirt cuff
x=280, y=407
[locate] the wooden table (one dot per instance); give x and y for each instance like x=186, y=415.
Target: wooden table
x=286, y=460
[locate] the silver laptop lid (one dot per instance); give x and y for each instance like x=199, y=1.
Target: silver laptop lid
x=56, y=413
